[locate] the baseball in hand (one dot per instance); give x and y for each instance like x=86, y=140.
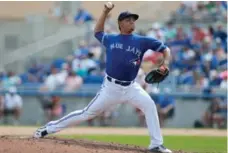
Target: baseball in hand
x=109, y=5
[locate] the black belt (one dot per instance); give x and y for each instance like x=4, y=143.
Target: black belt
x=122, y=83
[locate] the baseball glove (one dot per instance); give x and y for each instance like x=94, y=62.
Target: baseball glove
x=157, y=75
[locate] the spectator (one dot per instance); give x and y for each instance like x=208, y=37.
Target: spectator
x=209, y=61
x=156, y=32
x=57, y=109
x=186, y=58
x=201, y=81
x=181, y=34
x=198, y=33
x=170, y=32
x=96, y=50
x=82, y=16
x=215, y=114
x=11, y=104
x=186, y=78
x=62, y=75
x=52, y=107
x=206, y=45
x=85, y=65
x=35, y=72
x=51, y=82
x=82, y=50
x=14, y=79
x=182, y=9
x=215, y=79
x=219, y=52
x=165, y=106
x=220, y=117
x=76, y=64
x=88, y=64
x=73, y=82
x=11, y=79
x=220, y=33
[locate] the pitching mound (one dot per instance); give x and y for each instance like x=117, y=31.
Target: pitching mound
x=12, y=144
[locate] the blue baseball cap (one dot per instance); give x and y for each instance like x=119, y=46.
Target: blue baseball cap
x=126, y=14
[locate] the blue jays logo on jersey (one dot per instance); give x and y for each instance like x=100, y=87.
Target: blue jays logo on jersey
x=136, y=62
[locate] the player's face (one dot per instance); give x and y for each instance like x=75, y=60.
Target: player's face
x=128, y=25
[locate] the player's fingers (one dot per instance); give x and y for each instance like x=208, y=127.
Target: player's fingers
x=163, y=69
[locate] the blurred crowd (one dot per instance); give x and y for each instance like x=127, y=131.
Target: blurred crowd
x=199, y=53
x=202, y=11
x=69, y=73
x=199, y=58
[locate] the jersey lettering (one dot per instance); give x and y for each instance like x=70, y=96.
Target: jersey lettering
x=116, y=46
x=134, y=50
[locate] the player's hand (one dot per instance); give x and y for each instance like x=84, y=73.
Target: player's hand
x=108, y=7
x=164, y=68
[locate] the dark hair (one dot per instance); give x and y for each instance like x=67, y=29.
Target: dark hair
x=90, y=55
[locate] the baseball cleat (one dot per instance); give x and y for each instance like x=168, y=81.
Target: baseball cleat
x=41, y=132
x=160, y=149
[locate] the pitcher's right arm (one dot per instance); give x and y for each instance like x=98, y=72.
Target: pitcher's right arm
x=99, y=27
x=101, y=20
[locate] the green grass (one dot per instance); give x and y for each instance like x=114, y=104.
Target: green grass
x=197, y=144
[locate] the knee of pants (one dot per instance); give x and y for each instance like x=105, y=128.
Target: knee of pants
x=150, y=106
x=89, y=115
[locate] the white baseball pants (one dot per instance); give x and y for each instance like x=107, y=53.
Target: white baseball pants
x=112, y=94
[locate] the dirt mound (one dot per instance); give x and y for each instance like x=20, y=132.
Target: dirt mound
x=19, y=144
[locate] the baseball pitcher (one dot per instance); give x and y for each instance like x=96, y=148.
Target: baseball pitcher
x=124, y=55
